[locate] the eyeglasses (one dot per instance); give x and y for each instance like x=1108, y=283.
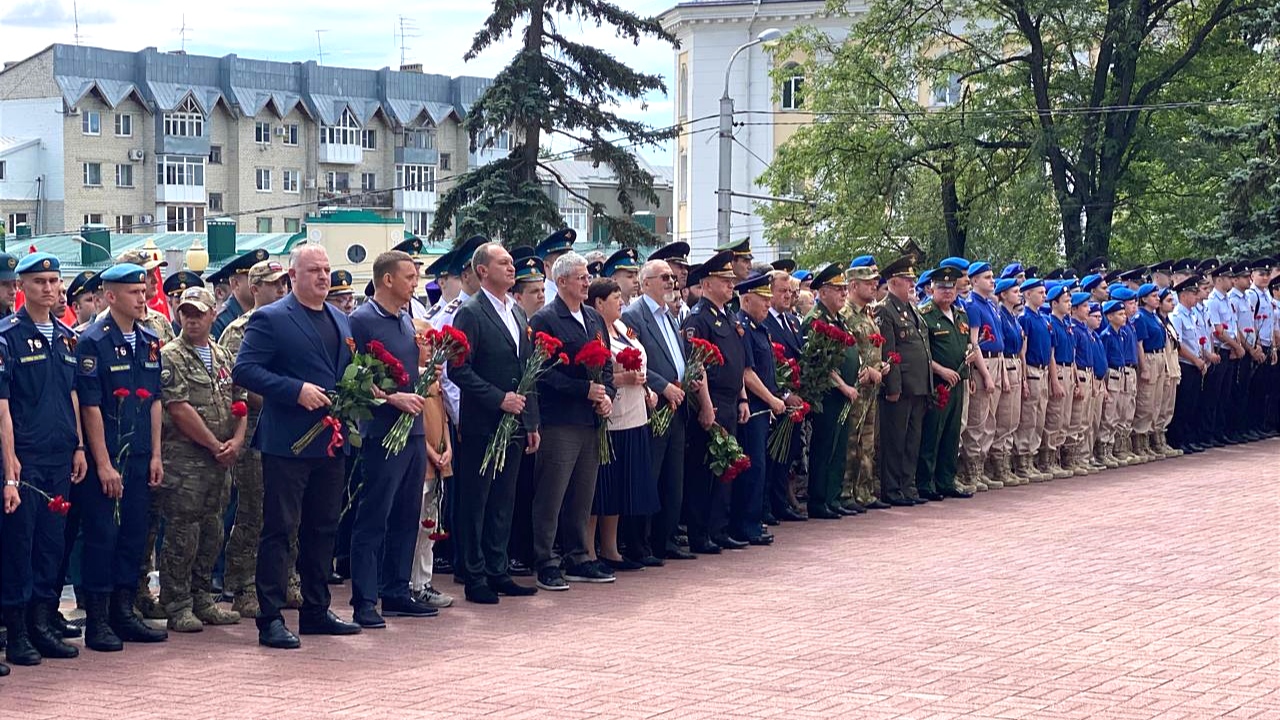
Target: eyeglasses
x=668, y=277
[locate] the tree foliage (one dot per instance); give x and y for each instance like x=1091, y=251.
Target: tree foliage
x=555, y=85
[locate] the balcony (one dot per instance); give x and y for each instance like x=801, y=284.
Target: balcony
x=415, y=201
x=340, y=154
x=417, y=156
x=372, y=200
x=185, y=194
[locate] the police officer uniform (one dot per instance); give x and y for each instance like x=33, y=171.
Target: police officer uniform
x=550, y=250
x=832, y=412
x=741, y=265
x=117, y=383
x=940, y=438
x=905, y=392
x=37, y=379
x=746, y=516
x=232, y=309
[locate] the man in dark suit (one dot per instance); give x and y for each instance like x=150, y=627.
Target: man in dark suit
x=651, y=318
x=294, y=351
x=500, y=341
x=784, y=328
x=571, y=406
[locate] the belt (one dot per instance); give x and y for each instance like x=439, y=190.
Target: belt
x=1153, y=352
x=1009, y=356
x=1131, y=366
x=1038, y=367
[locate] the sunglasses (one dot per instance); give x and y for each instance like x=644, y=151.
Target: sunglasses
x=668, y=277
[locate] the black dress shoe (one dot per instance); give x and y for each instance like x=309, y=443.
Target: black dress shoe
x=931, y=496
x=481, y=594
x=901, y=502
x=623, y=565
x=764, y=539
x=335, y=578
x=407, y=607
x=342, y=566
x=327, y=624
x=727, y=542
x=824, y=513
x=919, y=500
x=517, y=568
x=276, y=635
x=507, y=586
x=364, y=616
x=878, y=505
x=648, y=561
x=957, y=494
x=678, y=554
x=770, y=520
x=790, y=515
x=704, y=547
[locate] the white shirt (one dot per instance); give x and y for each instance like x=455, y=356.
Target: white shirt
x=577, y=315
x=503, y=307
x=662, y=316
x=1221, y=315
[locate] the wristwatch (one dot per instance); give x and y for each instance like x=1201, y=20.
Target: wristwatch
x=11, y=483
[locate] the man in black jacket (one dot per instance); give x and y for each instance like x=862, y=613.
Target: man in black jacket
x=572, y=407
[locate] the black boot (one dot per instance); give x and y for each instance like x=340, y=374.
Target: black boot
x=97, y=631
x=128, y=626
x=20, y=651
x=46, y=639
x=4, y=670
x=59, y=622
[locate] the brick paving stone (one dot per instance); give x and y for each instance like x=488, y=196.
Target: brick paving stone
x=1142, y=593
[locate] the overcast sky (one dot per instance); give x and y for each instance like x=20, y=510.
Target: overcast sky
x=362, y=34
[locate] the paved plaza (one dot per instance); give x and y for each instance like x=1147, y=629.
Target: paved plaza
x=1146, y=592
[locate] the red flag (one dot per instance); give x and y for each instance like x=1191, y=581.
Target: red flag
x=19, y=301
x=160, y=303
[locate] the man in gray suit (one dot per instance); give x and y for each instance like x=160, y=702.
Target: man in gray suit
x=650, y=317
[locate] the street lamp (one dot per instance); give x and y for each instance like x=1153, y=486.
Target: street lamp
x=724, y=196
x=197, y=258
x=80, y=239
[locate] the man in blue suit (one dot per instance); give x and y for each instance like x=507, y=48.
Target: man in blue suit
x=294, y=352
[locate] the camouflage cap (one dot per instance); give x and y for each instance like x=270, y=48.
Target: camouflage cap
x=266, y=271
x=141, y=258
x=199, y=298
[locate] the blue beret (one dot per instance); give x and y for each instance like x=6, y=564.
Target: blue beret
x=1031, y=284
x=1004, y=284
x=38, y=262
x=1090, y=282
x=1080, y=298
x=802, y=275
x=1055, y=292
x=1094, y=308
x=924, y=278
x=1123, y=293
x=979, y=267
x=1111, y=306
x=1011, y=270
x=1144, y=289
x=1165, y=292
x=958, y=263
x=125, y=273
x=862, y=261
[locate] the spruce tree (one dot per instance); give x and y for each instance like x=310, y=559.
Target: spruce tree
x=555, y=85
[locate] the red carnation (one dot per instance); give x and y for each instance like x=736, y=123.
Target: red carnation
x=1248, y=329
x=142, y=393
x=548, y=344
x=895, y=358
x=377, y=348
x=877, y=339
x=122, y=393
x=428, y=523
x=58, y=505
x=563, y=359
x=593, y=355
x=944, y=396
x=1204, y=340
x=630, y=359
x=779, y=352
x=239, y=409
x=438, y=536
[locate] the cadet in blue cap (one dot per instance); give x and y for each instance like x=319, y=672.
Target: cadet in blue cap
x=979, y=431
x=1098, y=360
x=8, y=283
x=1038, y=380
x=922, y=286
x=623, y=267
x=236, y=272
x=1013, y=271
x=118, y=386
x=1009, y=413
x=1115, y=345
x=1153, y=374
x=1062, y=393
x=38, y=423
x=1078, y=455
x=530, y=287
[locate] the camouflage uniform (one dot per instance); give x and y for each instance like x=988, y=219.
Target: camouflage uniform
x=196, y=488
x=242, y=547
x=861, y=484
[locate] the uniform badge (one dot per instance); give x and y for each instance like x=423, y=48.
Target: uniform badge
x=122, y=351
x=166, y=375
x=87, y=364
x=70, y=343
x=738, y=327
x=688, y=334
x=153, y=351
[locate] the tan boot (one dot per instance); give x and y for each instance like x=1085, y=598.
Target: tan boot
x=148, y=607
x=211, y=614
x=990, y=475
x=1029, y=470
x=1109, y=456
x=293, y=597
x=1121, y=451
x=1097, y=457
x=1073, y=461
x=183, y=620
x=1162, y=443
x=246, y=603
x=1019, y=478
x=1000, y=464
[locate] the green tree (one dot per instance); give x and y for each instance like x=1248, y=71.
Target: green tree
x=555, y=85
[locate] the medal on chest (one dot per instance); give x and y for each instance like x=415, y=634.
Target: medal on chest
x=153, y=351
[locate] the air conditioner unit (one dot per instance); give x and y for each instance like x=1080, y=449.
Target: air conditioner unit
x=279, y=131
x=145, y=219
x=137, y=155
x=311, y=183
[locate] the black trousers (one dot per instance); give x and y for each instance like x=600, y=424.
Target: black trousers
x=1237, y=414
x=901, y=424
x=706, y=499
x=302, y=496
x=482, y=508
x=654, y=535
x=1213, y=400
x=520, y=544
x=1259, y=387
x=1183, y=428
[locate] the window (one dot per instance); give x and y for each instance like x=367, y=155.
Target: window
x=947, y=93
x=185, y=121
x=418, y=223
x=3, y=168
x=290, y=134
x=262, y=179
x=124, y=125
x=16, y=219
x=500, y=141
x=575, y=216
x=682, y=91
x=504, y=140
x=91, y=122
x=337, y=182
x=369, y=139
x=420, y=138
x=124, y=224
x=180, y=170
x=262, y=133
x=445, y=159
x=683, y=175
x=416, y=178
x=215, y=202
x=292, y=225
x=124, y=176
x=289, y=182
x=215, y=154
x=93, y=174
x=264, y=224
x=368, y=182
x=92, y=219
x=346, y=132
x=792, y=88
x=184, y=218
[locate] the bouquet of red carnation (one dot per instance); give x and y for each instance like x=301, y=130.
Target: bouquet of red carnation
x=353, y=401
x=702, y=355
x=786, y=370
x=780, y=437
x=941, y=395
x=630, y=359
x=546, y=355
x=56, y=503
x=877, y=339
x=725, y=456
x=894, y=358
x=239, y=409
x=592, y=358
x=447, y=345
x=823, y=353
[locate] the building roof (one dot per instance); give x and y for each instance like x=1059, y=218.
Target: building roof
x=68, y=251
x=584, y=173
x=13, y=144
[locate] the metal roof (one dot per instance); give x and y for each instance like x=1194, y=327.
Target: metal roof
x=68, y=251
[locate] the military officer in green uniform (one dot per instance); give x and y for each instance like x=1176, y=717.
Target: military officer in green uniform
x=861, y=485
x=201, y=441
x=949, y=343
x=906, y=389
x=830, y=434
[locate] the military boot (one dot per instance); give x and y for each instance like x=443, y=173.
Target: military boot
x=182, y=620
x=210, y=614
x=1140, y=448
x=18, y=648
x=148, y=607
x=1084, y=458
x=1027, y=468
x=1119, y=450
x=1162, y=442
x=1010, y=472
x=990, y=476
x=246, y=603
x=1109, y=456
x=1073, y=460
x=1098, y=458
x=1060, y=471
x=1001, y=471
x=293, y=595
x=127, y=626
x=97, y=630
x=46, y=639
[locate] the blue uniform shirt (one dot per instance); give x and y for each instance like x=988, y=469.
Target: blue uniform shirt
x=1114, y=343
x=371, y=322
x=105, y=364
x=1131, y=343
x=37, y=378
x=759, y=350
x=983, y=316
x=1099, y=355
x=1149, y=331
x=1083, y=342
x=1010, y=332
x=1064, y=343
x=1039, y=342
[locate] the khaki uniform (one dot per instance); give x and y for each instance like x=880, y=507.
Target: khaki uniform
x=196, y=488
x=163, y=329
x=861, y=484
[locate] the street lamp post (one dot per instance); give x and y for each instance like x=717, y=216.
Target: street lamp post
x=724, y=193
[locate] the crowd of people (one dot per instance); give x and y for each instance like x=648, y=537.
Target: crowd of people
x=728, y=397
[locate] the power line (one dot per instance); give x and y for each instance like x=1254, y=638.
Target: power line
x=937, y=112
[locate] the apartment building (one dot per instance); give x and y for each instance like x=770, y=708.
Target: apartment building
x=150, y=141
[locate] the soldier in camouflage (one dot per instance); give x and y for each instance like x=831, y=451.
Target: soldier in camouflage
x=204, y=437
x=268, y=283
x=861, y=485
